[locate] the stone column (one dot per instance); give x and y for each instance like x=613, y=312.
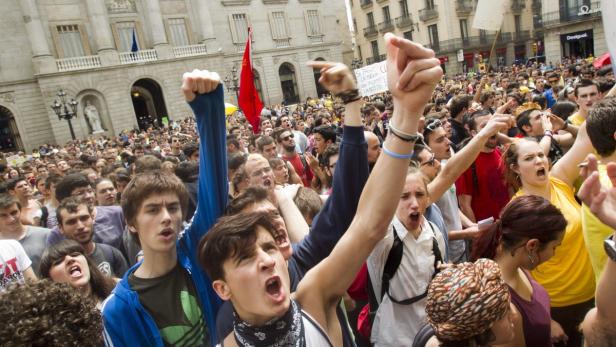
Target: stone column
x=157, y=29
x=101, y=31
x=42, y=59
x=205, y=25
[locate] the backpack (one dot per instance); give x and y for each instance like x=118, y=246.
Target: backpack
x=424, y=335
x=394, y=258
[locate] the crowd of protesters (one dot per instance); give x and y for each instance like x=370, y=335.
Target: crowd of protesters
x=466, y=210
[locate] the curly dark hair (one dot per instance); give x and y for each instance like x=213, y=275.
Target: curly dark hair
x=44, y=313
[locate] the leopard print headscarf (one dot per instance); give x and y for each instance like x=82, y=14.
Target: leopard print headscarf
x=464, y=300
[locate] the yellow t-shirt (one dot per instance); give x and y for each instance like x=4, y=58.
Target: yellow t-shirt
x=576, y=119
x=567, y=276
x=595, y=231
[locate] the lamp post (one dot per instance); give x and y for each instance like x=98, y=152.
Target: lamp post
x=65, y=109
x=232, y=81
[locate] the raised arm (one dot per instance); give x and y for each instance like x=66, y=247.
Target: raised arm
x=412, y=73
x=204, y=93
x=602, y=202
x=462, y=160
x=566, y=168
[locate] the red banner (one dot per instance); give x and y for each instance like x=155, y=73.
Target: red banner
x=249, y=100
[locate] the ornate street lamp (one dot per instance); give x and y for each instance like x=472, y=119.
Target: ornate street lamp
x=232, y=81
x=65, y=109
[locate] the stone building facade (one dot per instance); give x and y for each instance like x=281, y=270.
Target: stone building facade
x=446, y=26
x=126, y=57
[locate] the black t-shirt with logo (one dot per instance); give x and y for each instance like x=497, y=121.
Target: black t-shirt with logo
x=173, y=303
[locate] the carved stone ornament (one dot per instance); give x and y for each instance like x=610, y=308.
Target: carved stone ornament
x=121, y=6
x=8, y=97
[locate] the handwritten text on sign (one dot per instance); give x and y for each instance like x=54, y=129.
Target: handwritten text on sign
x=372, y=79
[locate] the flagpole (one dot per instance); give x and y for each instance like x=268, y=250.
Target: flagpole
x=492, y=51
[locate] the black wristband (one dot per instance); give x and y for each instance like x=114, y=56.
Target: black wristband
x=349, y=95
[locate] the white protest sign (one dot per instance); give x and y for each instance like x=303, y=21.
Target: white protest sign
x=608, y=11
x=489, y=14
x=372, y=79
x=460, y=55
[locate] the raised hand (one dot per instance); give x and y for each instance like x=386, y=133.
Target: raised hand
x=497, y=123
x=412, y=73
x=600, y=199
x=198, y=82
x=557, y=122
x=335, y=77
x=546, y=124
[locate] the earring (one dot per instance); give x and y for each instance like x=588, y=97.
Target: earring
x=532, y=260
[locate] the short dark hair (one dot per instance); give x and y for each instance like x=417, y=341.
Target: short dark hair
x=71, y=205
x=327, y=131
x=601, y=126
x=69, y=183
x=458, y=103
x=10, y=184
x=232, y=237
x=563, y=109
x=235, y=160
x=190, y=148
x=524, y=119
x=263, y=141
x=147, y=163
x=187, y=171
x=584, y=83
x=248, y=197
x=147, y=184
x=8, y=200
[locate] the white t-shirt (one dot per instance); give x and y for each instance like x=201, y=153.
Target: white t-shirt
x=13, y=263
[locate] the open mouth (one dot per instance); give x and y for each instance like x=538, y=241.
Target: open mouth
x=273, y=288
x=167, y=233
x=267, y=182
x=74, y=271
x=541, y=172
x=414, y=216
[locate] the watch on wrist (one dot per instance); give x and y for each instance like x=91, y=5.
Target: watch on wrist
x=610, y=247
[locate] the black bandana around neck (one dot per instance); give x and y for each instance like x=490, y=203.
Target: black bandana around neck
x=285, y=331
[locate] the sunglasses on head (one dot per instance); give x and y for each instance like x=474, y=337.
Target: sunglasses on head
x=433, y=125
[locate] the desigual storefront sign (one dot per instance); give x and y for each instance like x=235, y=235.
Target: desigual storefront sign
x=576, y=36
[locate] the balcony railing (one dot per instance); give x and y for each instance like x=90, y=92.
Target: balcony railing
x=427, y=14
x=379, y=58
x=316, y=39
x=572, y=14
x=189, y=51
x=370, y=31
x=386, y=26
x=470, y=42
x=365, y=3
x=78, y=63
x=537, y=22
x=138, y=57
x=523, y=35
x=518, y=5
x=281, y=43
x=404, y=21
x=536, y=7
x=464, y=7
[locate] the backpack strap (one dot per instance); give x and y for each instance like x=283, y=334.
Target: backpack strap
x=424, y=335
x=438, y=258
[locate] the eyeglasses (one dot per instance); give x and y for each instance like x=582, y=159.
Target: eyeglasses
x=429, y=162
x=433, y=125
x=286, y=138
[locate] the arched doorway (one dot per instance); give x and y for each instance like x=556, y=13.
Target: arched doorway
x=148, y=103
x=317, y=74
x=288, y=83
x=9, y=134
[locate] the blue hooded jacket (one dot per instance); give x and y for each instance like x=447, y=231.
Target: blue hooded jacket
x=126, y=321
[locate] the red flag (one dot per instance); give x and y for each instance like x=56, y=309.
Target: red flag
x=249, y=100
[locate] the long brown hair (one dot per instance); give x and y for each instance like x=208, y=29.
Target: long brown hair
x=525, y=217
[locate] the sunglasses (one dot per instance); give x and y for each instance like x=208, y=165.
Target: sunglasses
x=433, y=125
x=286, y=138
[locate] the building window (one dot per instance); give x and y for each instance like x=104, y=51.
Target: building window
x=404, y=8
x=386, y=15
x=239, y=27
x=433, y=33
x=464, y=29
x=278, y=26
x=178, y=32
x=518, y=23
x=483, y=36
x=375, y=50
x=430, y=4
x=359, y=55
x=125, y=35
x=370, y=18
x=70, y=40
x=313, y=23
x=408, y=35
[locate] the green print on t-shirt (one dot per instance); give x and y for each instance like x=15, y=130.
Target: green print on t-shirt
x=186, y=335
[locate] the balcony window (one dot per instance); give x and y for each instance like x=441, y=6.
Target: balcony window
x=70, y=41
x=278, y=25
x=125, y=35
x=370, y=19
x=177, y=32
x=433, y=33
x=408, y=35
x=313, y=23
x=375, y=49
x=238, y=23
x=386, y=15
x=404, y=7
